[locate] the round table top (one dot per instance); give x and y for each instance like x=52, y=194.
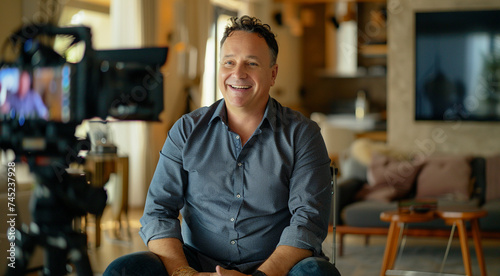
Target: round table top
x=395, y=215
x=460, y=212
x=447, y=212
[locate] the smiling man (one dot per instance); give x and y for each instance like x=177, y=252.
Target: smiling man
x=248, y=70
x=250, y=177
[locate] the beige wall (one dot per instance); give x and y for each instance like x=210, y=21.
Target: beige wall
x=10, y=20
x=427, y=137
x=288, y=83
x=15, y=13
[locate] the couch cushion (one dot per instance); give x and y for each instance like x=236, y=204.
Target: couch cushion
x=366, y=213
x=445, y=176
x=389, y=179
x=350, y=168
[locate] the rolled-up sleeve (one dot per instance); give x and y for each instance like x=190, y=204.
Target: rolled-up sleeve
x=165, y=195
x=310, y=194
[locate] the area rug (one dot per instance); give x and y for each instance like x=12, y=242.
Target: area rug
x=422, y=255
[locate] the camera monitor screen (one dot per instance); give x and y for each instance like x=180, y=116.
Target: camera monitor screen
x=41, y=94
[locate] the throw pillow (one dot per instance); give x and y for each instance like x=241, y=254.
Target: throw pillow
x=492, y=178
x=350, y=168
x=389, y=178
x=445, y=177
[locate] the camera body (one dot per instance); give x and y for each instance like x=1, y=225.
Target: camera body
x=43, y=97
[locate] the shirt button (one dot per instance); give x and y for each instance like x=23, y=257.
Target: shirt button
x=238, y=196
x=240, y=164
x=237, y=137
x=233, y=242
x=232, y=219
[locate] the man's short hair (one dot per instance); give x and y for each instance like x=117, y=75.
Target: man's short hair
x=253, y=25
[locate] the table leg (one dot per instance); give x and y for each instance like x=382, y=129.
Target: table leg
x=476, y=234
x=97, y=231
x=398, y=244
x=462, y=233
x=390, y=247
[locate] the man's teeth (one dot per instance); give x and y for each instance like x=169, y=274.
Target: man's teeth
x=240, y=86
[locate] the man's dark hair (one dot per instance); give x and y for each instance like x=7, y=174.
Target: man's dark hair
x=253, y=25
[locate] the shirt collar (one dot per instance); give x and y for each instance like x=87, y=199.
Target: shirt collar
x=269, y=114
x=220, y=112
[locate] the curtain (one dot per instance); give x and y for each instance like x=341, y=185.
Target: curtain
x=183, y=25
x=149, y=22
x=130, y=137
x=193, y=20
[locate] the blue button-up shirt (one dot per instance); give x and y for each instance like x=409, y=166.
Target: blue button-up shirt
x=238, y=202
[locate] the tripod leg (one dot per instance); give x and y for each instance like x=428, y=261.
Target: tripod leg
x=55, y=260
x=24, y=247
x=78, y=253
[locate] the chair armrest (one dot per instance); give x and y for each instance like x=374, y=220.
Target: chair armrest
x=478, y=175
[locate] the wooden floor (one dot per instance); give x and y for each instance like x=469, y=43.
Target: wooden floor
x=113, y=247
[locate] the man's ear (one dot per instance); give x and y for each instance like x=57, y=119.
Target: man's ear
x=274, y=74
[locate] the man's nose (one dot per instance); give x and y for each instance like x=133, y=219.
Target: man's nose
x=240, y=71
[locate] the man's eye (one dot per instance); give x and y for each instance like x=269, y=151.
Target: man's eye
x=228, y=63
x=253, y=64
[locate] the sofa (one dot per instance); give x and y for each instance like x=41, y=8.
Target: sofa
x=374, y=178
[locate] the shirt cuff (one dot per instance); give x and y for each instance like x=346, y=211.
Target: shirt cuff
x=301, y=237
x=160, y=229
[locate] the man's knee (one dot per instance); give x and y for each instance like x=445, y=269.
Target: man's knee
x=314, y=266
x=140, y=263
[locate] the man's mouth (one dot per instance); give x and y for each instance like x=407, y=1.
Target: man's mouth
x=240, y=86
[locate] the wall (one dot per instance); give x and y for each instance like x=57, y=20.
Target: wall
x=427, y=137
x=288, y=83
x=10, y=19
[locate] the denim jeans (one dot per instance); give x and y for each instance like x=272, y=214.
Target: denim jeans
x=147, y=263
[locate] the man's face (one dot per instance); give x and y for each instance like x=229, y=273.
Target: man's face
x=246, y=75
x=24, y=85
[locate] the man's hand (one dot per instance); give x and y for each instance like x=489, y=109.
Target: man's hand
x=226, y=272
x=222, y=272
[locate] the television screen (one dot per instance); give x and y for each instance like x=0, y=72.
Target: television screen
x=457, y=65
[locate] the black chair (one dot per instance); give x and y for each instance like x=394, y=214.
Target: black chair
x=334, y=171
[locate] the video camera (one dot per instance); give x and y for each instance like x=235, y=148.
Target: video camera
x=43, y=97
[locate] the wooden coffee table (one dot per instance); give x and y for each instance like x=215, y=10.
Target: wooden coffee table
x=456, y=216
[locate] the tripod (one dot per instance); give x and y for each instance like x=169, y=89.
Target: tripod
x=58, y=198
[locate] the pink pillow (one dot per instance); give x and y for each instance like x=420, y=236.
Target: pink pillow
x=389, y=179
x=445, y=177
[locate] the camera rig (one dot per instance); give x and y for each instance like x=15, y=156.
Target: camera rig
x=125, y=84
